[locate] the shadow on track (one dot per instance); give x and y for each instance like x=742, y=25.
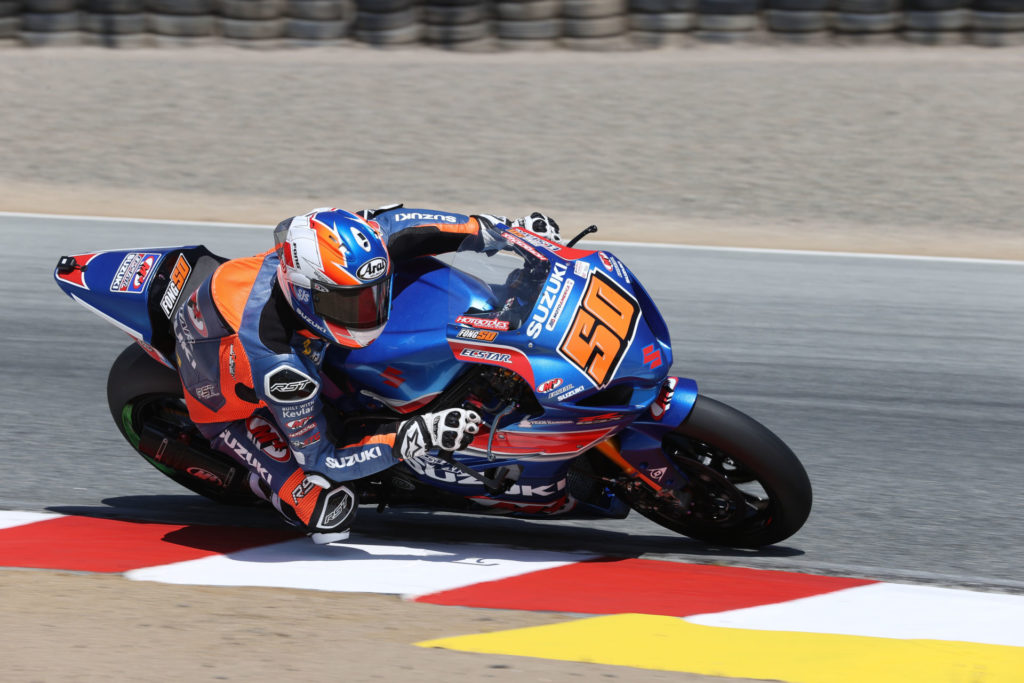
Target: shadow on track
x=412, y=527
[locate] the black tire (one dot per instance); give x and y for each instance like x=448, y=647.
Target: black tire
x=457, y=14
x=383, y=6
x=666, y=22
x=934, y=5
x=723, y=449
x=534, y=29
x=998, y=5
x=866, y=6
x=946, y=20
x=727, y=6
x=10, y=8
x=182, y=7
x=47, y=23
x=251, y=29
x=997, y=21
x=867, y=23
x=371, y=21
x=800, y=5
x=141, y=391
x=662, y=6
x=786, y=21
x=316, y=10
x=305, y=29
x=114, y=23
x=252, y=9
x=596, y=27
x=181, y=25
x=115, y=6
x=49, y=6
x=404, y=35
x=532, y=9
x=9, y=27
x=727, y=22
x=446, y=34
x=585, y=9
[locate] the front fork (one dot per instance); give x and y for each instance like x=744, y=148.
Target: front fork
x=637, y=451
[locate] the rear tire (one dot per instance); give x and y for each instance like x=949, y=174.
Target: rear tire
x=142, y=392
x=747, y=487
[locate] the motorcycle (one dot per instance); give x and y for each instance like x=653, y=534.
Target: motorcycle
x=560, y=349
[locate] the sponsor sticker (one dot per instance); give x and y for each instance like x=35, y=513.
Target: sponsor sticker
x=289, y=385
x=372, y=269
x=580, y=268
x=265, y=435
x=179, y=276
x=343, y=461
x=483, y=323
x=550, y=385
x=134, y=272
x=492, y=356
x=548, y=299
x=479, y=335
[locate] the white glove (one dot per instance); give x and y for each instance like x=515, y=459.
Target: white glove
x=448, y=430
x=539, y=224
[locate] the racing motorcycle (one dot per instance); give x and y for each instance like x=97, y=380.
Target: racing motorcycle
x=560, y=349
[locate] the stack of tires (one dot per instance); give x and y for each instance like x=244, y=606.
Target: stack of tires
x=934, y=22
x=318, y=22
x=657, y=23
x=798, y=21
x=727, y=21
x=594, y=24
x=997, y=23
x=115, y=23
x=384, y=23
x=10, y=21
x=867, y=21
x=527, y=24
x=181, y=23
x=252, y=23
x=457, y=24
x=50, y=22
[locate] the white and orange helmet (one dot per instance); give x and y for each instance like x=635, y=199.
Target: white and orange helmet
x=336, y=274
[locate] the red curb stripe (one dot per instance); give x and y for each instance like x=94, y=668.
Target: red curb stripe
x=642, y=586
x=108, y=545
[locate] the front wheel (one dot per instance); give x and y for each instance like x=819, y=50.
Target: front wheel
x=746, y=487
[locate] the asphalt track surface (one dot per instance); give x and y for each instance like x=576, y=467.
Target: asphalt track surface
x=896, y=380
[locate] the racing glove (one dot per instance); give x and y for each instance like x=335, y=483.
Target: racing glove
x=448, y=430
x=539, y=224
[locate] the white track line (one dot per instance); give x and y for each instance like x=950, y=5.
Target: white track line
x=653, y=245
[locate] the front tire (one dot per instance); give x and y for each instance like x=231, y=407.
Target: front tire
x=747, y=488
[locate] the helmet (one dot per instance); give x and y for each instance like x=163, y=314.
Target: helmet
x=335, y=273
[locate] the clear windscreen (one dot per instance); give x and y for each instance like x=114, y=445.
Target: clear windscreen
x=493, y=282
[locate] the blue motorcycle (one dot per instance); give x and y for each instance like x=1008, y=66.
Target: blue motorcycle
x=560, y=349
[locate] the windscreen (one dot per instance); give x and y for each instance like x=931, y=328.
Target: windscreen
x=494, y=283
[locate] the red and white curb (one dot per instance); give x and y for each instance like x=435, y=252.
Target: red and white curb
x=651, y=614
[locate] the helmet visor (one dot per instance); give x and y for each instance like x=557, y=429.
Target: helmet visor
x=357, y=308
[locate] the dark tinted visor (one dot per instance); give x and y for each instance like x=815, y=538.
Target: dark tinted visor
x=358, y=308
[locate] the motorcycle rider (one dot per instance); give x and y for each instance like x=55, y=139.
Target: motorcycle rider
x=250, y=340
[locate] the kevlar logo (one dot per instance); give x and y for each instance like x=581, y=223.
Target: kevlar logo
x=179, y=276
x=372, y=269
x=288, y=385
x=264, y=434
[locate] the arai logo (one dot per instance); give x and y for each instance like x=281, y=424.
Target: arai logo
x=372, y=269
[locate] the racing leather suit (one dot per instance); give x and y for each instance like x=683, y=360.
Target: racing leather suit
x=252, y=380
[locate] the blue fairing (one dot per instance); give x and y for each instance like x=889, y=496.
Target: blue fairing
x=411, y=362
x=116, y=286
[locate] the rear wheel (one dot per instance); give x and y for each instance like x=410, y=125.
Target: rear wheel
x=145, y=400
x=747, y=488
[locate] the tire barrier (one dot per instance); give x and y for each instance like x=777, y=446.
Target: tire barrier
x=489, y=25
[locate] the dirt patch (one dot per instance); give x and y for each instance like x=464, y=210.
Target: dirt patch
x=61, y=626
